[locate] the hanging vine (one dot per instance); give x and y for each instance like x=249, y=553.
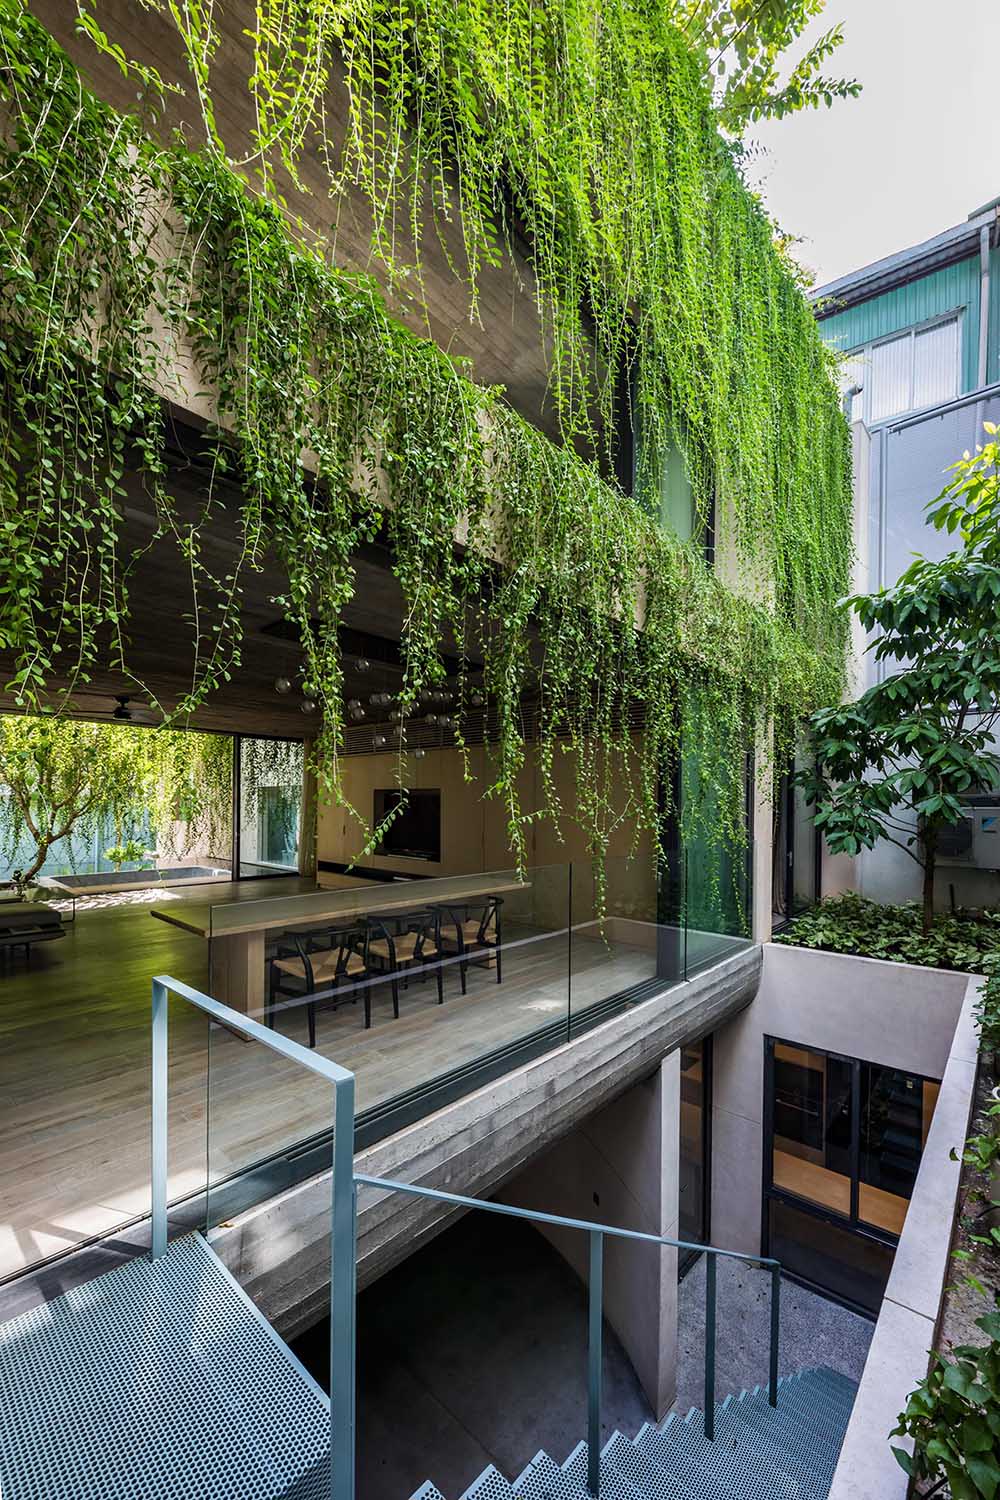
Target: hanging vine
x=119, y=252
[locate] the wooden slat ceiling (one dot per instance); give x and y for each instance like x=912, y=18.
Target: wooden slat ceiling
x=505, y=345
x=159, y=631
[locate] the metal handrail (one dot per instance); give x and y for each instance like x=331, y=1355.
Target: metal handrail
x=343, y=1273
x=343, y=1208
x=597, y=1234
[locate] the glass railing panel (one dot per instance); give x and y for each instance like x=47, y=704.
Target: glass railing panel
x=410, y=984
x=716, y=906
x=74, y=1090
x=620, y=953
x=267, y=1124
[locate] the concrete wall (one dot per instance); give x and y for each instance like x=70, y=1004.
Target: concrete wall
x=907, y=1322
x=620, y=1166
x=280, y=1251
x=881, y=1012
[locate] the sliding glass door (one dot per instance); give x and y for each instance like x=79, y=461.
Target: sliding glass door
x=842, y=1146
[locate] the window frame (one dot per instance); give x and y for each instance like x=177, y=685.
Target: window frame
x=852, y=1222
x=864, y=352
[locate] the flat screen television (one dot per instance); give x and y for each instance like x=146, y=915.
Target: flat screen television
x=415, y=830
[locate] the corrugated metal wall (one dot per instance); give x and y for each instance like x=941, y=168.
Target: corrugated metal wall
x=942, y=291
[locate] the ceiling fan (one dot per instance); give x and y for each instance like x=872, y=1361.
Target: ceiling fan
x=131, y=711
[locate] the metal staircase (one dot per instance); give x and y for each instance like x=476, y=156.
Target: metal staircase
x=159, y=1379
x=760, y=1452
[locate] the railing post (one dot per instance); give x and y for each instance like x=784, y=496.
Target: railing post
x=710, y=1272
x=158, y=1174
x=594, y=1361
x=343, y=1279
x=772, y=1381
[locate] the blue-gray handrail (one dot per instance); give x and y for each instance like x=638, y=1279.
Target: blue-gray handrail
x=343, y=1215
x=597, y=1234
x=343, y=1238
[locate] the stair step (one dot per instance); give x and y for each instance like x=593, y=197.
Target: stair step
x=614, y=1484
x=713, y=1470
x=836, y=1390
x=811, y=1409
x=759, y=1452
x=639, y=1470
x=817, y=1407
x=753, y=1427
x=543, y=1479
x=490, y=1485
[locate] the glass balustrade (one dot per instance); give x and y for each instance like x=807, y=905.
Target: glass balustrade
x=426, y=989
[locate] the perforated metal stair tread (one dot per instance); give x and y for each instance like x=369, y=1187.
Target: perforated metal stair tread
x=158, y=1379
x=759, y=1452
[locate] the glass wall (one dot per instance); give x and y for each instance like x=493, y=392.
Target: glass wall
x=843, y=1140
x=795, y=863
x=270, y=805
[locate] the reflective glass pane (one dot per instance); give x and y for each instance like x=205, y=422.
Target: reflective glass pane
x=676, y=496
x=935, y=364
x=839, y=1260
x=271, y=773
x=803, y=892
x=896, y=1109
x=812, y=1126
x=889, y=381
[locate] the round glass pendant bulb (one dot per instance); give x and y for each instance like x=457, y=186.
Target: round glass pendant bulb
x=353, y=703
x=477, y=700
x=363, y=664
x=282, y=685
x=425, y=695
x=379, y=741
x=420, y=752
x=308, y=705
x=444, y=721
x=430, y=718
x=357, y=714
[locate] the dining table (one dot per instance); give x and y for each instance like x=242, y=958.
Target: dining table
x=236, y=930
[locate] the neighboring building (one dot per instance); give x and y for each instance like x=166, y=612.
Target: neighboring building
x=920, y=336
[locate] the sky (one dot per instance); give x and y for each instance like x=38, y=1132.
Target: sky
x=917, y=152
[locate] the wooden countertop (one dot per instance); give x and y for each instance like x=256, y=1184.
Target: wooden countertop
x=229, y=919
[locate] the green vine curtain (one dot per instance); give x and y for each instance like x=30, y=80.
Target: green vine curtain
x=119, y=250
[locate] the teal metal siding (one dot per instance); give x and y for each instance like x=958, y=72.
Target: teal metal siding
x=942, y=291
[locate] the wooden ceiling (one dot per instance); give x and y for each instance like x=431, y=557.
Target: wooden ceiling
x=505, y=345
x=159, y=633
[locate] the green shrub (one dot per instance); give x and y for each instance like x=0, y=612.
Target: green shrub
x=967, y=940
x=953, y=1417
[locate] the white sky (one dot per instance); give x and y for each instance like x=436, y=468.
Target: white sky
x=914, y=154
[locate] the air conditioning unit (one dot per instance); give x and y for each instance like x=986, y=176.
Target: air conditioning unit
x=975, y=840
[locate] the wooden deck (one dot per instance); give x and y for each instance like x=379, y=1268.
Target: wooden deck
x=75, y=1064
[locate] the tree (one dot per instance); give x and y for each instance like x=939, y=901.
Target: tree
x=922, y=739
x=63, y=776
x=744, y=43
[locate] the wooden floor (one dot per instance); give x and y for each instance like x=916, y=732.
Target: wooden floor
x=75, y=1064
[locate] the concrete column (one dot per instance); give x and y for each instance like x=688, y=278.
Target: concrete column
x=621, y=1167
x=307, y=821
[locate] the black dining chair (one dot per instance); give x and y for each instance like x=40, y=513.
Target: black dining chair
x=473, y=928
x=401, y=942
x=333, y=961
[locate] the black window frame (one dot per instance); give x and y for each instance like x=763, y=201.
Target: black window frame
x=850, y=1223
